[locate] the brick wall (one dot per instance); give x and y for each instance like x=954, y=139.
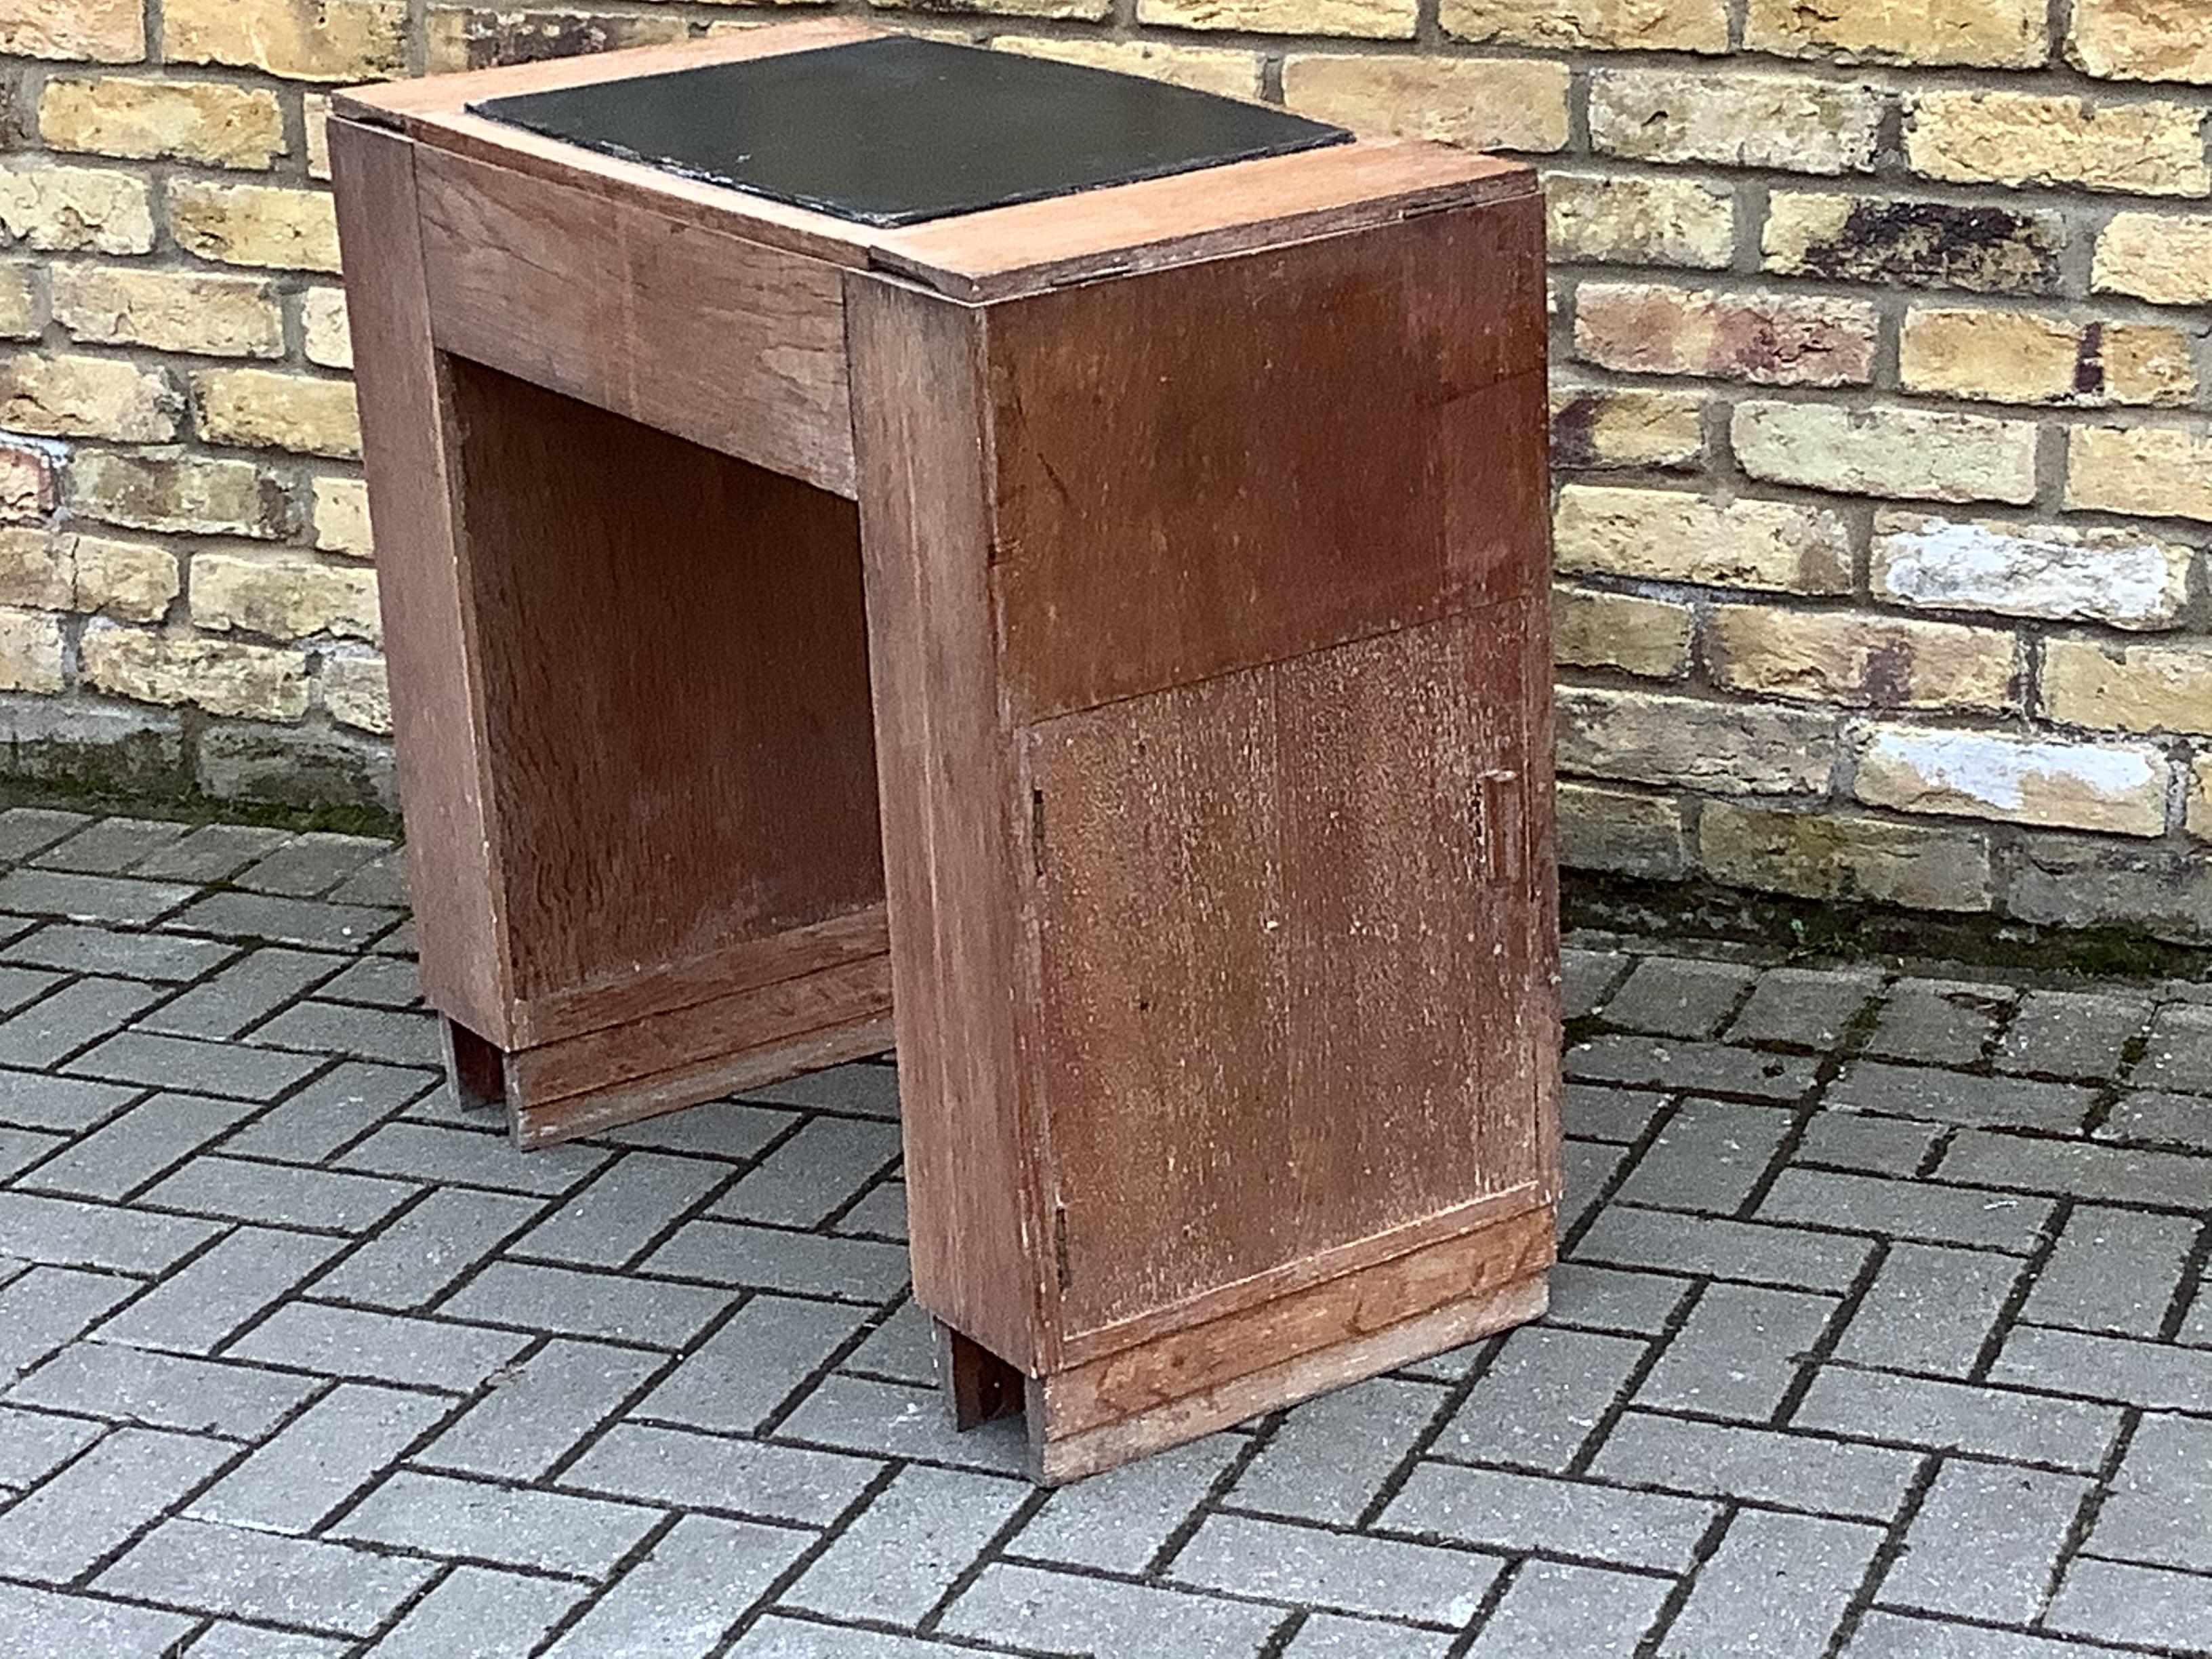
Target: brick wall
x=1881, y=412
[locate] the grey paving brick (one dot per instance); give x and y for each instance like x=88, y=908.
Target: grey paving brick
x=1552, y=1609
x=409, y=1263
x=1941, y=1096
x=1540, y=1399
x=227, y=1640
x=380, y=981
x=67, y=1233
x=211, y=852
x=81, y=1012
x=283, y=1194
x=853, y=1413
x=897, y=1558
x=734, y=1381
x=469, y=1157
x=696, y=1471
x=381, y=881
x=1585, y=977
x=1938, y=1021
x=137, y=1145
x=730, y=1130
x=2113, y=1270
x=772, y=1259
x=2117, y=1174
x=166, y=1391
x=34, y=1444
x=109, y=846
x=682, y=1599
x=1331, y=1455
x=1709, y=1156
x=1908, y=1209
x=1120, y=1521
x=1804, y=1007
x=609, y=1307
x=880, y=1213
x=1877, y=1146
x=2160, y=1508
x=1790, y=1471
x=2155, y=1117
x=2196, y=1324
x=38, y=1102
x=74, y=948
x=88, y=898
x=2147, y=1374
x=95, y=1504
x=25, y=830
x=339, y=1106
x=209, y=1068
x=794, y=1639
x=1777, y=1587
x=1739, y=1353
x=540, y=1409
x=2070, y=1034
x=1678, y=996
x=553, y=1532
x=903, y=1348
x=394, y=1036
x=1985, y=1541
x=47, y=1622
x=378, y=1346
x=1895, y=1636
x=1597, y=1111
x=255, y=1575
x=819, y=1170
x=1307, y=1567
x=1702, y=1246
x=1341, y=1636
x=1947, y=1416
x=249, y=989
x=21, y=986
x=1517, y=1513
x=2122, y=1602
x=1063, y=1613
x=310, y=864
x=863, y=1088
x=46, y=1307
x=21, y=1148
x=625, y=1208
x=2178, y=1054
x=1609, y=1299
x=481, y=1610
x=1930, y=1309
x=1707, y=1067
x=285, y=921
x=320, y=1458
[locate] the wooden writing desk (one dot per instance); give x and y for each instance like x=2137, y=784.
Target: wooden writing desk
x=1138, y=593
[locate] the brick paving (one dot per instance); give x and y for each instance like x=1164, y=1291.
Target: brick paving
x=1884, y=1332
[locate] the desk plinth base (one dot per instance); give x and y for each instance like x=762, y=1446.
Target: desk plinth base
x=1098, y=1414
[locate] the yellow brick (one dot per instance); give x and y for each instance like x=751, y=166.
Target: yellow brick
x=1725, y=748
x=2117, y=788
x=1998, y=32
x=2144, y=363
x=69, y=210
x=248, y=682
x=2128, y=688
x=1646, y=328
x=2122, y=578
x=1649, y=221
x=329, y=341
x=355, y=692
x=1668, y=535
x=301, y=39
x=1621, y=829
x=191, y=494
x=2002, y=356
x=2165, y=259
x=1088, y=11
x=65, y=571
x=1865, y=662
x=478, y=37
x=1208, y=68
x=2016, y=138
x=284, y=597
x=30, y=651
x=32, y=571
x=27, y=478
x=2200, y=798
x=261, y=225
x=1648, y=25
x=1482, y=103
x=2142, y=40
x=2156, y=472
x=1920, y=454
x=1873, y=239
x=185, y=121
x=1626, y=426
x=169, y=310
x=265, y=409
x=1825, y=855
x=1592, y=630
x=341, y=516
x=1376, y=20
x=1792, y=121
x=315, y=108
x=89, y=31
x=22, y=316
x=67, y=396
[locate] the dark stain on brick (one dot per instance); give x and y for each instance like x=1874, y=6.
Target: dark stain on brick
x=1888, y=681
x=2089, y=362
x=1574, y=431
x=1985, y=250
x=495, y=39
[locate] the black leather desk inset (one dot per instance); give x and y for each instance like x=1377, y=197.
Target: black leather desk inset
x=896, y=130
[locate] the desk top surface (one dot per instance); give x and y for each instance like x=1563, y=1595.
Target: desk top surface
x=898, y=131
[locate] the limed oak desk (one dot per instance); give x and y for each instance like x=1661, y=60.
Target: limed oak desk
x=1108, y=626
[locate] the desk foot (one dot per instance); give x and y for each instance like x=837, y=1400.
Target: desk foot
x=977, y=1385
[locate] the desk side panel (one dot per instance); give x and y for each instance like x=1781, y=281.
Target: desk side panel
x=429, y=630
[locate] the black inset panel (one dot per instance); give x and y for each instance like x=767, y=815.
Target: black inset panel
x=896, y=130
